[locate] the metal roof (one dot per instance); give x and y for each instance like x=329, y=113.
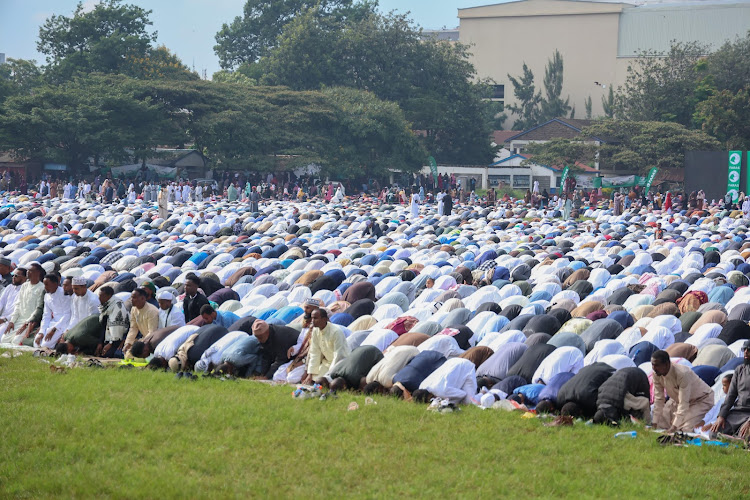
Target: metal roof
x=654, y=26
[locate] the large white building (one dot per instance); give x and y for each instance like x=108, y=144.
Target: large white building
x=598, y=40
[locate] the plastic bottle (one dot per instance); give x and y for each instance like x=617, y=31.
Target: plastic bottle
x=627, y=434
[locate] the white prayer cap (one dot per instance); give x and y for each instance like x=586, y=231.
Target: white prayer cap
x=80, y=281
x=165, y=295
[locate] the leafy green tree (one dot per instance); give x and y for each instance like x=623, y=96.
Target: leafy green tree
x=589, y=106
x=432, y=81
x=638, y=146
x=626, y=146
x=561, y=153
x=112, y=38
x=552, y=105
x=368, y=137
x=662, y=87
x=729, y=66
x=608, y=103
x=22, y=75
x=91, y=117
x=97, y=41
x=157, y=63
x=528, y=109
x=248, y=38
x=234, y=77
x=726, y=116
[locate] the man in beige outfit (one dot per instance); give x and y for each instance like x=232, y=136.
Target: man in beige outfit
x=163, y=202
x=689, y=397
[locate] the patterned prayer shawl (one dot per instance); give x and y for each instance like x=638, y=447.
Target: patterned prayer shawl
x=117, y=320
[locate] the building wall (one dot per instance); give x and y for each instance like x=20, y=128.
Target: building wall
x=598, y=40
x=587, y=42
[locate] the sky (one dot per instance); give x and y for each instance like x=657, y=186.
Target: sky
x=187, y=27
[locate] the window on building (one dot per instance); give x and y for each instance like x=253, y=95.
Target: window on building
x=498, y=91
x=496, y=180
x=521, y=181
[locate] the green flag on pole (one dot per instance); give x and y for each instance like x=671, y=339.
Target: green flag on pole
x=564, y=177
x=433, y=169
x=650, y=178
x=733, y=176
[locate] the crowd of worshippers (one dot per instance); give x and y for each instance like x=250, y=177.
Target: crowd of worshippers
x=636, y=314
x=577, y=374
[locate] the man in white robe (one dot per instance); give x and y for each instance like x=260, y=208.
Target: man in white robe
x=26, y=316
x=56, y=316
x=84, y=302
x=169, y=315
x=9, y=296
x=455, y=380
x=563, y=359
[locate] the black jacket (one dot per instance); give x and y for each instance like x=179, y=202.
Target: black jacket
x=192, y=308
x=280, y=339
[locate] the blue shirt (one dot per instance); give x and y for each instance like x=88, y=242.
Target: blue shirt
x=225, y=319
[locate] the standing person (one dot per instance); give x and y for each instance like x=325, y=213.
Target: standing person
x=163, y=201
x=618, y=204
x=441, y=203
x=232, y=192
x=668, y=202
x=254, y=199
x=414, y=204
x=448, y=203
x=689, y=396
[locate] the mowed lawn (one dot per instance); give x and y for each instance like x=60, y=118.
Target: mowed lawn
x=138, y=434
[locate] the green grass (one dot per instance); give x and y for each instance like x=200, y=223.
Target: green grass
x=136, y=434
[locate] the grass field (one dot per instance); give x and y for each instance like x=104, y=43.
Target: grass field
x=135, y=434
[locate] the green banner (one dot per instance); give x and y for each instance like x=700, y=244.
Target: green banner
x=733, y=176
x=433, y=169
x=650, y=178
x=564, y=177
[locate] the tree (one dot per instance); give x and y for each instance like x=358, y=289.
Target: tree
x=113, y=38
x=662, y=87
x=730, y=65
x=18, y=76
x=234, y=77
x=608, y=103
x=157, y=63
x=97, y=41
x=626, y=145
x=589, y=105
x=726, y=116
x=91, y=117
x=432, y=81
x=552, y=105
x=528, y=110
x=248, y=38
x=638, y=146
x=368, y=137
x=561, y=153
